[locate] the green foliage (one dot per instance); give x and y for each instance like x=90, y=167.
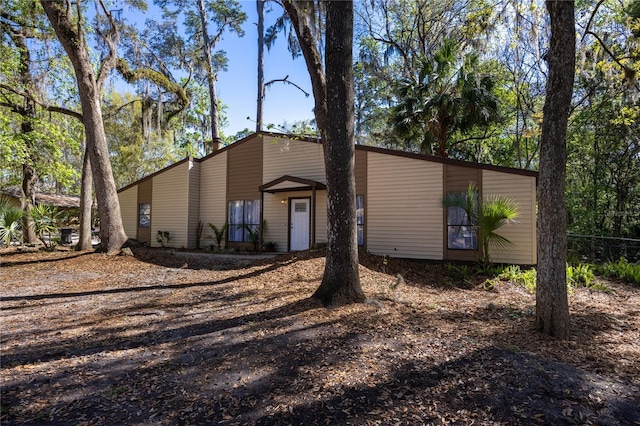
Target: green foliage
x=163, y=237
x=219, y=233
x=447, y=97
x=580, y=275
x=10, y=222
x=47, y=221
x=622, y=269
x=525, y=278
x=494, y=212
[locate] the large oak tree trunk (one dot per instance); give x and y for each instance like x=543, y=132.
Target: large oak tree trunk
x=552, y=308
x=112, y=233
x=341, y=281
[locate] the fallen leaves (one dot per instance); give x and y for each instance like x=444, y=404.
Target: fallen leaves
x=102, y=340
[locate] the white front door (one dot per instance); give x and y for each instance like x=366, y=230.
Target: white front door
x=299, y=224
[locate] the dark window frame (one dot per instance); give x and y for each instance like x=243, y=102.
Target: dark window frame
x=461, y=234
x=360, y=219
x=144, y=217
x=235, y=227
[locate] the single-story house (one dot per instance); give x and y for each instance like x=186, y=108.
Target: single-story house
x=280, y=179
x=64, y=202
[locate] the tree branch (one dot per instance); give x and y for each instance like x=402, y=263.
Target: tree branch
x=286, y=80
x=18, y=109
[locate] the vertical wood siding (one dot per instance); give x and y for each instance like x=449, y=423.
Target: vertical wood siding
x=244, y=172
x=129, y=210
x=213, y=195
x=284, y=156
x=170, y=205
x=145, y=194
x=522, y=234
x=194, y=204
x=404, y=214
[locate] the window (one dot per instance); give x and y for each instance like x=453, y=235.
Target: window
x=360, y=218
x=461, y=234
x=243, y=214
x=144, y=215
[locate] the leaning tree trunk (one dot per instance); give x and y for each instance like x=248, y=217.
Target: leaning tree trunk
x=552, y=308
x=298, y=12
x=112, y=233
x=86, y=202
x=341, y=281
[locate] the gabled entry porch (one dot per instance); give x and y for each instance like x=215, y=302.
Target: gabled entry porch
x=296, y=220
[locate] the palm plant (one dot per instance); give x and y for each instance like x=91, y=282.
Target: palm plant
x=493, y=212
x=219, y=233
x=10, y=222
x=46, y=221
x=444, y=98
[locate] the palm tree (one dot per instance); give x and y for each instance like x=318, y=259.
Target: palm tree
x=444, y=98
x=493, y=212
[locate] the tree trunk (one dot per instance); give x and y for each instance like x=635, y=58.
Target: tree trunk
x=552, y=308
x=72, y=39
x=29, y=179
x=260, y=10
x=341, y=281
x=28, y=113
x=86, y=204
x=211, y=80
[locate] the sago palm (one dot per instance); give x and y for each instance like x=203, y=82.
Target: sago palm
x=10, y=222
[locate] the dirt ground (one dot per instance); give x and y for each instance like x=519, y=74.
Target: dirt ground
x=171, y=338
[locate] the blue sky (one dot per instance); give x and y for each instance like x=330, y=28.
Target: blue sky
x=237, y=87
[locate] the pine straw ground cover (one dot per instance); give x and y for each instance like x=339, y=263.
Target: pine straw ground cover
x=168, y=338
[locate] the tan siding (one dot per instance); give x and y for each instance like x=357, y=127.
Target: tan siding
x=170, y=205
x=244, y=172
x=404, y=215
x=129, y=210
x=522, y=234
x=321, y=217
x=213, y=195
x=194, y=204
x=145, y=193
x=284, y=156
x=457, y=179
